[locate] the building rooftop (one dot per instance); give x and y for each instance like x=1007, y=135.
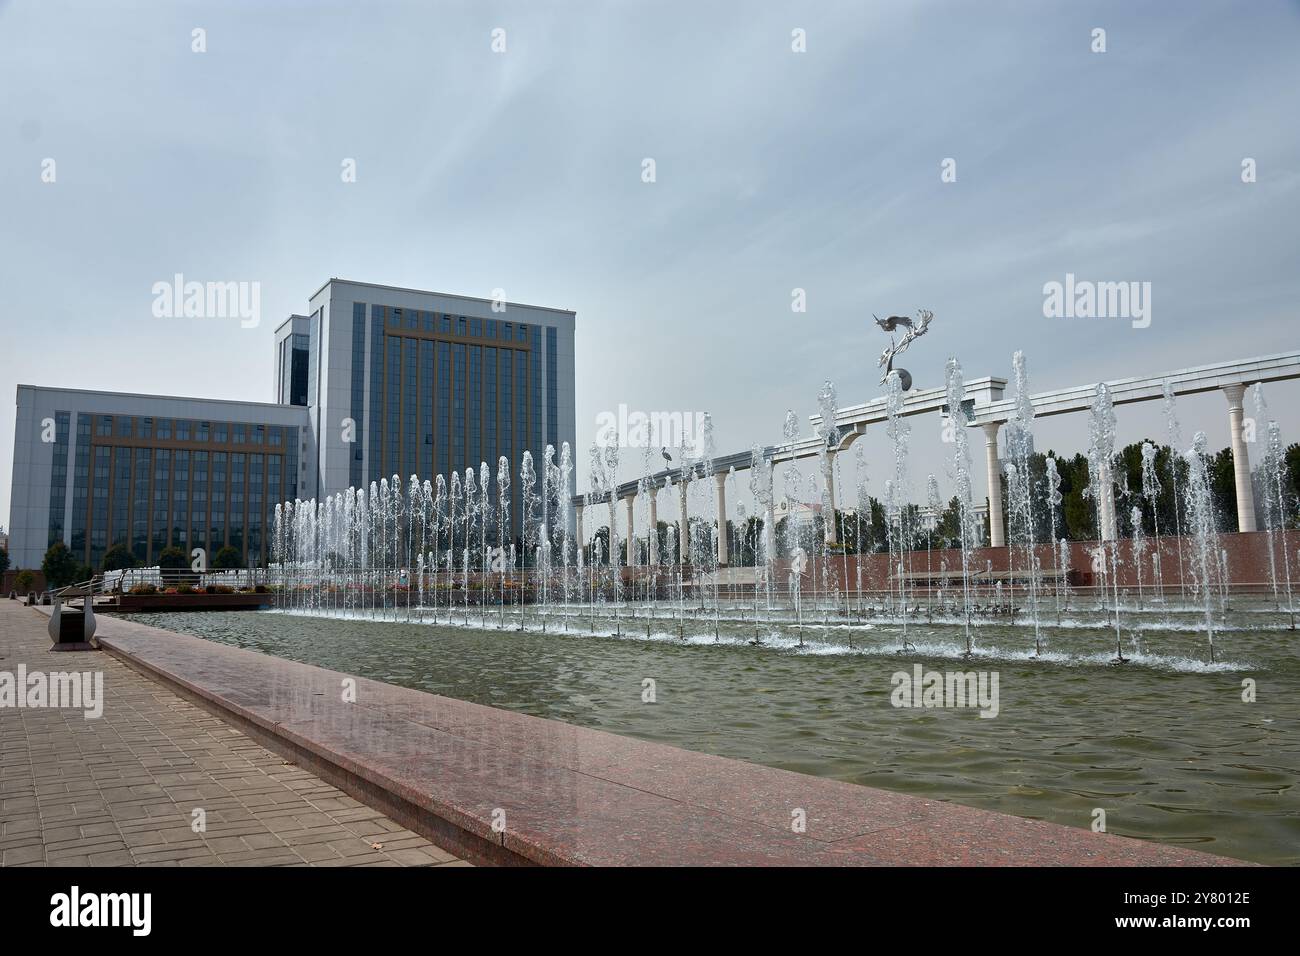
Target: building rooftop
x=445, y=295
x=156, y=397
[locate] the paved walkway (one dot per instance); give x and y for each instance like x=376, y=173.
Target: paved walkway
x=122, y=789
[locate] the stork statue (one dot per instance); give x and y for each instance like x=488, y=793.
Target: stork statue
x=914, y=331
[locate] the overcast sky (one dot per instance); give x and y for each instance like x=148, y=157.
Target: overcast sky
x=775, y=170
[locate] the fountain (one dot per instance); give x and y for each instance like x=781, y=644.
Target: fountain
x=1020, y=497
x=896, y=510
x=1200, y=513
x=1101, y=488
x=961, y=461
x=1272, y=474
x=450, y=550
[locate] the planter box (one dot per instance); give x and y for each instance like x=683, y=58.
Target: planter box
x=196, y=602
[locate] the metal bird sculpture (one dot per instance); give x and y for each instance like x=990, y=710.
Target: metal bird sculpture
x=914, y=332
x=893, y=322
x=667, y=457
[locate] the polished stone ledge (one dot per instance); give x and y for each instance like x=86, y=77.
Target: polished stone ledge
x=499, y=787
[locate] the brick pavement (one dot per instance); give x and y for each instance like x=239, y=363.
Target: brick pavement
x=120, y=790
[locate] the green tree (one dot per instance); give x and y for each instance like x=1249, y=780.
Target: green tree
x=227, y=559
x=118, y=557
x=1223, y=490
x=947, y=527
x=173, y=564
x=59, y=566
x=1291, y=480
x=4, y=560
x=748, y=537
x=857, y=533
x=23, y=581
x=879, y=526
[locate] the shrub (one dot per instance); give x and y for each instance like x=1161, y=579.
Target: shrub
x=118, y=558
x=144, y=589
x=184, y=589
x=227, y=559
x=175, y=566
x=23, y=581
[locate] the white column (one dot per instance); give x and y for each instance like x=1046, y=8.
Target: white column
x=683, y=529
x=1240, y=459
x=721, y=480
x=629, y=502
x=828, y=521
x=654, y=524
x=997, y=529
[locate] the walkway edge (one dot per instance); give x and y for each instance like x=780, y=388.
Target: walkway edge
x=439, y=826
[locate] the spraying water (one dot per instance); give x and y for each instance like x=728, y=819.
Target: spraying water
x=961, y=461
x=1200, y=514
x=1020, y=448
x=1101, y=488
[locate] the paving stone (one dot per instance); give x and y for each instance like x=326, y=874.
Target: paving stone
x=22, y=854
x=120, y=790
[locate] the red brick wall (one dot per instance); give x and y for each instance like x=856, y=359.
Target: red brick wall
x=12, y=574
x=1248, y=563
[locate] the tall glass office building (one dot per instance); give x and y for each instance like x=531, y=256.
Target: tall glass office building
x=404, y=382
x=373, y=381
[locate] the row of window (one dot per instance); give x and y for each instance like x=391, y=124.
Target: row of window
x=198, y=500
x=181, y=429
x=436, y=406
x=154, y=498
x=469, y=326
